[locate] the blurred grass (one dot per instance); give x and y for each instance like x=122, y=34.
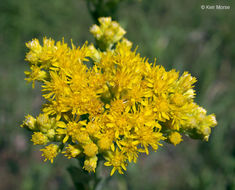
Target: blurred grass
x=179, y=34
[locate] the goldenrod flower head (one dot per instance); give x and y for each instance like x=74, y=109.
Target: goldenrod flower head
x=127, y=42
x=96, y=31
x=118, y=160
x=51, y=133
x=29, y=122
x=116, y=109
x=69, y=130
x=90, y=149
x=36, y=49
x=72, y=151
x=105, y=21
x=90, y=164
x=200, y=123
x=34, y=45
x=175, y=138
x=44, y=123
x=105, y=143
x=38, y=138
x=83, y=137
x=178, y=99
x=36, y=74
x=95, y=54
x=50, y=152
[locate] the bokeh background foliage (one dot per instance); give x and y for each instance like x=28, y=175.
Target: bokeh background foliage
x=179, y=34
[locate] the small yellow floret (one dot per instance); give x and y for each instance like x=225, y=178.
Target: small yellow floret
x=29, y=122
x=175, y=138
x=90, y=149
x=95, y=54
x=50, y=152
x=90, y=164
x=51, y=133
x=38, y=138
x=118, y=160
x=83, y=137
x=205, y=131
x=72, y=151
x=178, y=99
x=35, y=50
x=105, y=143
x=36, y=74
x=43, y=122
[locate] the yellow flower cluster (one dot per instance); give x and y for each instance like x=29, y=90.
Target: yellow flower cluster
x=118, y=108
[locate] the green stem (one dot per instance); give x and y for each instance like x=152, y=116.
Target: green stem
x=83, y=180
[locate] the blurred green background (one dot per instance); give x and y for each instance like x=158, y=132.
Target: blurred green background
x=179, y=34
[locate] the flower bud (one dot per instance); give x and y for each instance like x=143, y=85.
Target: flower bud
x=50, y=152
x=38, y=138
x=90, y=149
x=72, y=151
x=51, y=133
x=90, y=164
x=175, y=138
x=43, y=122
x=29, y=122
